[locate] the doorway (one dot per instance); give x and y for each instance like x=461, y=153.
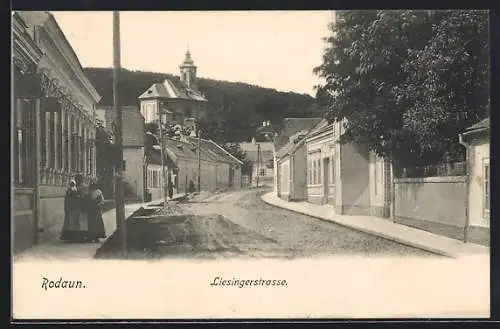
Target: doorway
x=326, y=179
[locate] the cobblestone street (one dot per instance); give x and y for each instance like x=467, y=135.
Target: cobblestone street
x=295, y=235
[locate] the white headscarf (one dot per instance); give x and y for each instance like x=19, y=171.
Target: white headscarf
x=72, y=185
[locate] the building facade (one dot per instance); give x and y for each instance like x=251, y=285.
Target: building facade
x=292, y=169
x=133, y=141
x=193, y=158
x=54, y=126
x=346, y=175
x=476, y=139
x=260, y=153
x=321, y=164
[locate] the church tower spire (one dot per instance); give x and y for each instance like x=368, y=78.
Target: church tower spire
x=188, y=71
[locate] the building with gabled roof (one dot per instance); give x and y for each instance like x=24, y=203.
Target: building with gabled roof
x=345, y=175
x=53, y=125
x=287, y=128
x=179, y=98
x=217, y=168
x=476, y=140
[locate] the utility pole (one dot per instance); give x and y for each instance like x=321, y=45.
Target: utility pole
x=120, y=206
x=258, y=163
x=162, y=145
x=199, y=160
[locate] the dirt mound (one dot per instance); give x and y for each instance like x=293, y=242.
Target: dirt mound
x=188, y=234
x=170, y=209
x=207, y=233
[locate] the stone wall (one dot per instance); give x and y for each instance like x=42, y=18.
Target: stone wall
x=435, y=199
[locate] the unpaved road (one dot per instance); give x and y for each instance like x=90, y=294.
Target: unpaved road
x=288, y=234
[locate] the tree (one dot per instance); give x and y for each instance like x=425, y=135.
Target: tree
x=237, y=152
x=447, y=81
x=402, y=80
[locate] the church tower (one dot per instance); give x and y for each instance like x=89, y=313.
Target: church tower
x=188, y=72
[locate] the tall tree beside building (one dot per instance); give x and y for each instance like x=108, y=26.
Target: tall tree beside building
x=407, y=81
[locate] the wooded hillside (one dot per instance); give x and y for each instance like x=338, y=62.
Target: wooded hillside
x=236, y=109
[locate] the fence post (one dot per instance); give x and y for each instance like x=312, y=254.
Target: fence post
x=393, y=192
x=467, y=186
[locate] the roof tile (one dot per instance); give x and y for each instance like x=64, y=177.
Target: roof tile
x=172, y=88
x=291, y=126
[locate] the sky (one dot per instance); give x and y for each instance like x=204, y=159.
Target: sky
x=275, y=49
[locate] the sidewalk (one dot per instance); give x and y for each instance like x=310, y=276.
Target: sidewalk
x=57, y=250
x=383, y=228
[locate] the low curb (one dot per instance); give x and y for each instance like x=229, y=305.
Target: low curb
x=389, y=237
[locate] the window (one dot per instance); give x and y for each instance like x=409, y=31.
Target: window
x=153, y=180
x=59, y=138
x=81, y=156
x=23, y=142
x=332, y=169
x=73, y=144
x=318, y=169
x=486, y=188
x=66, y=141
x=52, y=136
x=43, y=136
x=262, y=172
x=313, y=178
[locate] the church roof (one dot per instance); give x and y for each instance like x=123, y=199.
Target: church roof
x=172, y=88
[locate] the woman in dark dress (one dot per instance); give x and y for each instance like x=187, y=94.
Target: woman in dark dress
x=95, y=201
x=74, y=229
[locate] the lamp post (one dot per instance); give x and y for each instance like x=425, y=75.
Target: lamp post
x=257, y=171
x=199, y=159
x=271, y=137
x=163, y=120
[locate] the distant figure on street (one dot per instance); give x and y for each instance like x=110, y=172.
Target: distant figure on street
x=95, y=201
x=170, y=190
x=75, y=225
x=170, y=186
x=192, y=187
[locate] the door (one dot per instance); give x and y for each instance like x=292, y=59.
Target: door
x=24, y=173
x=326, y=179
x=231, y=176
